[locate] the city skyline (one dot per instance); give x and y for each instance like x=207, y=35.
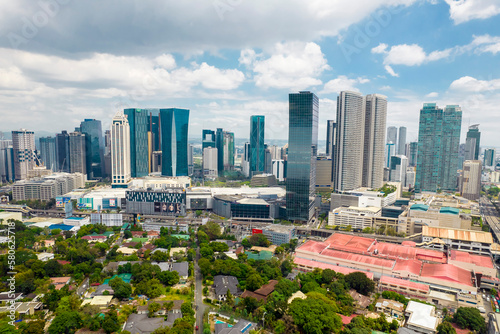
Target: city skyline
x=223, y=79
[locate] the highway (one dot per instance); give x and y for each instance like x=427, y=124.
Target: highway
x=490, y=215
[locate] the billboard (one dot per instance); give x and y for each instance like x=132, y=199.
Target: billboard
x=112, y=202
x=256, y=231
x=61, y=201
x=173, y=208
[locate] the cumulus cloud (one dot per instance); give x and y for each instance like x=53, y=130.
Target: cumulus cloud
x=341, y=83
x=470, y=85
x=432, y=95
x=465, y=10
x=294, y=65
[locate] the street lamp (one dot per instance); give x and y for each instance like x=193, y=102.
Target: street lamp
x=263, y=319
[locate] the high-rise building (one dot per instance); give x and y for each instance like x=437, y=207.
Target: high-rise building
x=190, y=160
x=438, y=142
x=397, y=169
x=23, y=144
x=107, y=142
x=228, y=150
x=174, y=141
x=324, y=173
x=257, y=152
x=489, y=157
x=402, y=141
x=472, y=143
x=279, y=169
x=412, y=154
x=120, y=150
x=210, y=169
x=302, y=155
x=48, y=152
x=392, y=138
x=276, y=152
x=77, y=153
x=245, y=160
x=207, y=139
x=6, y=161
x=94, y=148
x=392, y=135
x=219, y=143
x=410, y=177
x=331, y=132
x=374, y=139
x=268, y=158
x=62, y=151
x=470, y=186
x=349, y=147
x=139, y=123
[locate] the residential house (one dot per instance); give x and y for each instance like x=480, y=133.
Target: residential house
x=223, y=284
x=262, y=293
x=59, y=282
x=390, y=308
x=45, y=256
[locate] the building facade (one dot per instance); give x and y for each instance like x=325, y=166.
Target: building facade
x=23, y=144
x=77, y=154
x=210, y=169
x=489, y=157
x=62, y=151
x=174, y=136
x=257, y=152
x=94, y=148
x=138, y=122
x=402, y=141
x=48, y=152
x=472, y=143
x=470, y=186
x=331, y=134
x=373, y=150
x=120, y=151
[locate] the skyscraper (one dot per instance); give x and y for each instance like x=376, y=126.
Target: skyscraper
x=48, y=152
x=120, y=151
x=472, y=143
x=470, y=186
x=207, y=139
x=331, y=131
x=228, y=150
x=397, y=169
x=392, y=135
x=77, y=153
x=302, y=155
x=245, y=160
x=402, y=141
x=438, y=142
x=62, y=151
x=94, y=148
x=6, y=161
x=374, y=139
x=174, y=141
x=257, y=152
x=219, y=144
x=139, y=123
x=349, y=147
x=489, y=157
x=392, y=138
x=23, y=144
x=190, y=160
x=412, y=154
x=210, y=162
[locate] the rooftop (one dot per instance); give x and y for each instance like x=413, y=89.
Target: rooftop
x=447, y=209
x=404, y=283
x=457, y=234
x=321, y=265
x=478, y=260
x=422, y=315
x=349, y=242
x=419, y=207
x=351, y=257
x=446, y=272
x=412, y=266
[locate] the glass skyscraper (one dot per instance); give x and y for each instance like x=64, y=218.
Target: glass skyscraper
x=62, y=151
x=472, y=143
x=302, y=155
x=219, y=144
x=438, y=143
x=257, y=151
x=174, y=141
x=138, y=120
x=94, y=148
x=402, y=141
x=331, y=134
x=48, y=152
x=207, y=139
x=412, y=154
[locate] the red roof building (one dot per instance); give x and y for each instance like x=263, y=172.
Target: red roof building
x=407, y=268
x=404, y=287
x=446, y=274
x=309, y=265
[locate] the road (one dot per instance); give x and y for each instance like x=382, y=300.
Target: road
x=83, y=287
x=198, y=294
x=490, y=214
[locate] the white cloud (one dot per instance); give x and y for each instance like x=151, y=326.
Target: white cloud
x=472, y=85
x=389, y=70
x=465, y=10
x=341, y=83
x=381, y=48
x=294, y=65
x=432, y=95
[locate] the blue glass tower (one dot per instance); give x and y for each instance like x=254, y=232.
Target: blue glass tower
x=219, y=144
x=257, y=150
x=174, y=141
x=207, y=139
x=438, y=143
x=138, y=121
x=94, y=148
x=302, y=156
x=48, y=152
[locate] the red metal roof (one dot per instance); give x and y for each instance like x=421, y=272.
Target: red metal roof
x=351, y=257
x=412, y=266
x=404, y=283
x=446, y=272
x=393, y=251
x=478, y=260
x=349, y=243
x=321, y=265
x=409, y=243
x=313, y=246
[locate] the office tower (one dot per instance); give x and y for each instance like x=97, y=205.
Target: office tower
x=302, y=154
x=121, y=170
x=402, y=141
x=489, y=157
x=257, y=151
x=268, y=165
x=331, y=131
x=77, y=153
x=228, y=153
x=324, y=173
x=48, y=152
x=207, y=139
x=410, y=177
x=438, y=142
x=397, y=169
x=94, y=148
x=62, y=151
x=279, y=169
x=138, y=120
x=23, y=144
x=472, y=143
x=107, y=142
x=374, y=138
x=412, y=154
x=471, y=180
x=174, y=141
x=6, y=161
x=219, y=143
x=210, y=169
x=276, y=152
x=190, y=160
x=349, y=147
x=245, y=160
x=390, y=148
x=156, y=162
x=154, y=130
x=392, y=135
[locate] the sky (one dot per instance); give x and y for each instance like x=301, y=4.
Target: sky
x=62, y=61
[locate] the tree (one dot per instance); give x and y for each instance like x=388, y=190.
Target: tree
x=159, y=256
x=469, y=317
x=198, y=213
x=33, y=327
x=66, y=323
x=169, y=278
x=206, y=252
x=327, y=276
x=153, y=308
x=315, y=316
x=445, y=328
x=254, y=281
x=359, y=282
x=127, y=234
x=110, y=323
x=493, y=292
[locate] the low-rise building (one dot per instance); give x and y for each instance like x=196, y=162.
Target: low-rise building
x=59, y=282
x=262, y=293
x=475, y=242
x=223, y=284
x=421, y=318
x=45, y=256
x=279, y=234
x=390, y=308
x=356, y=217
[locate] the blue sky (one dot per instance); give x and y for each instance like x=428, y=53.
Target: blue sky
x=62, y=61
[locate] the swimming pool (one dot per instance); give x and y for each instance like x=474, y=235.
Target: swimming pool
x=222, y=322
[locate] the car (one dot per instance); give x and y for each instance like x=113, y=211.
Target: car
x=196, y=327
